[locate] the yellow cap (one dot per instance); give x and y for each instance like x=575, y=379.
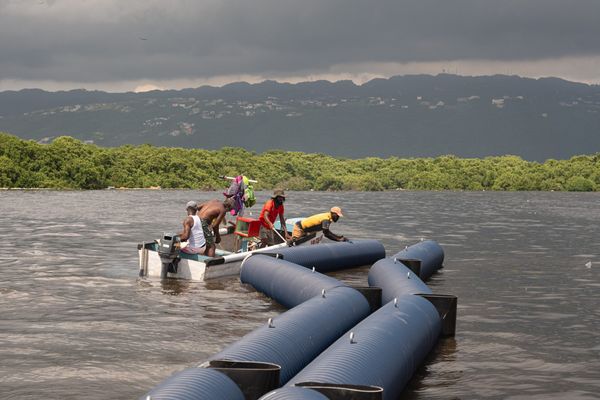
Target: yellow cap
x=337, y=210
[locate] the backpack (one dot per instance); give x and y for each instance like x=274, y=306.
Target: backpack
x=249, y=198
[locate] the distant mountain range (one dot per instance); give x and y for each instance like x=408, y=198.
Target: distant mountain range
x=403, y=116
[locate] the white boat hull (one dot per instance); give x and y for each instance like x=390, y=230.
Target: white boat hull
x=207, y=268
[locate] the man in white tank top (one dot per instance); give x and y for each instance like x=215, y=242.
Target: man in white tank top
x=192, y=231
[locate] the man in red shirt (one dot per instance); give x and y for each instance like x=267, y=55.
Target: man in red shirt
x=271, y=209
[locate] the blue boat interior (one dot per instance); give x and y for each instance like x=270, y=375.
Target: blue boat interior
x=153, y=246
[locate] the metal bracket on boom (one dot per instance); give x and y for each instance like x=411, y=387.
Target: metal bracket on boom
x=446, y=305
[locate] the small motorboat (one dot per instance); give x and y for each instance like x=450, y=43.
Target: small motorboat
x=163, y=258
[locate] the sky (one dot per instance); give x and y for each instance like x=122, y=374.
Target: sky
x=136, y=45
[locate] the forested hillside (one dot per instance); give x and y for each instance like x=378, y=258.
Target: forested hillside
x=67, y=163
x=403, y=116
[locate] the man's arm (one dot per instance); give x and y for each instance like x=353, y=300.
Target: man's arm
x=188, y=222
x=325, y=224
x=268, y=221
x=330, y=235
x=216, y=223
x=283, y=226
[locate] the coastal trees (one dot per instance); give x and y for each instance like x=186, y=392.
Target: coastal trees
x=67, y=163
x=579, y=184
x=9, y=172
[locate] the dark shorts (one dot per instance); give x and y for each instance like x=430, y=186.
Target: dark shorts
x=209, y=235
x=298, y=232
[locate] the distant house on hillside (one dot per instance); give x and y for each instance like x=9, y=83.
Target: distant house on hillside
x=498, y=102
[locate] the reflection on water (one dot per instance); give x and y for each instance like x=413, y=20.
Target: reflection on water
x=175, y=287
x=77, y=322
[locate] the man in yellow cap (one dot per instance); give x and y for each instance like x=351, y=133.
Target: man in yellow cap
x=319, y=222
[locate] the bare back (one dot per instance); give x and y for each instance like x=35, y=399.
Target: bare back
x=212, y=210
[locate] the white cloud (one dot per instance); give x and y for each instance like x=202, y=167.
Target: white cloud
x=147, y=87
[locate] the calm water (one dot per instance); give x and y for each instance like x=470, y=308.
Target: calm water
x=76, y=322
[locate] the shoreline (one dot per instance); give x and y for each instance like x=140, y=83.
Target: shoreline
x=5, y=189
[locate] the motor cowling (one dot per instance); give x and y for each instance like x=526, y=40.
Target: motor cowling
x=168, y=251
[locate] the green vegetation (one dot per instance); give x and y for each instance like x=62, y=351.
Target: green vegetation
x=68, y=163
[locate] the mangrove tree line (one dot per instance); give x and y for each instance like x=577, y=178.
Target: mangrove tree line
x=67, y=163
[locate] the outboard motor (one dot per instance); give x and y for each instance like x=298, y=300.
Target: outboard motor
x=168, y=251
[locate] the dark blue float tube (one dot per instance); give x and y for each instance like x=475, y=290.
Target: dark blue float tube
x=287, y=283
x=327, y=257
x=304, y=391
x=429, y=255
x=194, y=384
x=395, y=279
x=383, y=350
x=294, y=338
x=294, y=393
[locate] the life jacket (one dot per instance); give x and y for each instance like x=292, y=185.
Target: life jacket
x=317, y=222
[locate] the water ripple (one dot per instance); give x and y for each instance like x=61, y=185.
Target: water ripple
x=77, y=322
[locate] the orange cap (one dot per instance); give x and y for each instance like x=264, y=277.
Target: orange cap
x=337, y=210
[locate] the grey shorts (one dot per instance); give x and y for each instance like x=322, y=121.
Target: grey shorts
x=267, y=234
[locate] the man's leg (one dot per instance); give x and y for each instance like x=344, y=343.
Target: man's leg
x=297, y=233
x=210, y=250
x=264, y=236
x=209, y=237
x=270, y=238
x=194, y=250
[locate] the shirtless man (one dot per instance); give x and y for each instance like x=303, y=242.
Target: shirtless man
x=211, y=215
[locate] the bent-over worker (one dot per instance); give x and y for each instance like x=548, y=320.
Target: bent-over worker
x=211, y=214
x=319, y=222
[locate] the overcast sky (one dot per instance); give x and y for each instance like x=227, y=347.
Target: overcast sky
x=120, y=45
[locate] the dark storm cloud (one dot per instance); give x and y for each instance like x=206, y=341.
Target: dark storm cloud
x=106, y=40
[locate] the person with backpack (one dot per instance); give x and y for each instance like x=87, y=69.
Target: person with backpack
x=242, y=193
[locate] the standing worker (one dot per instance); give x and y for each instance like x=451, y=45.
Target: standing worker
x=271, y=209
x=319, y=222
